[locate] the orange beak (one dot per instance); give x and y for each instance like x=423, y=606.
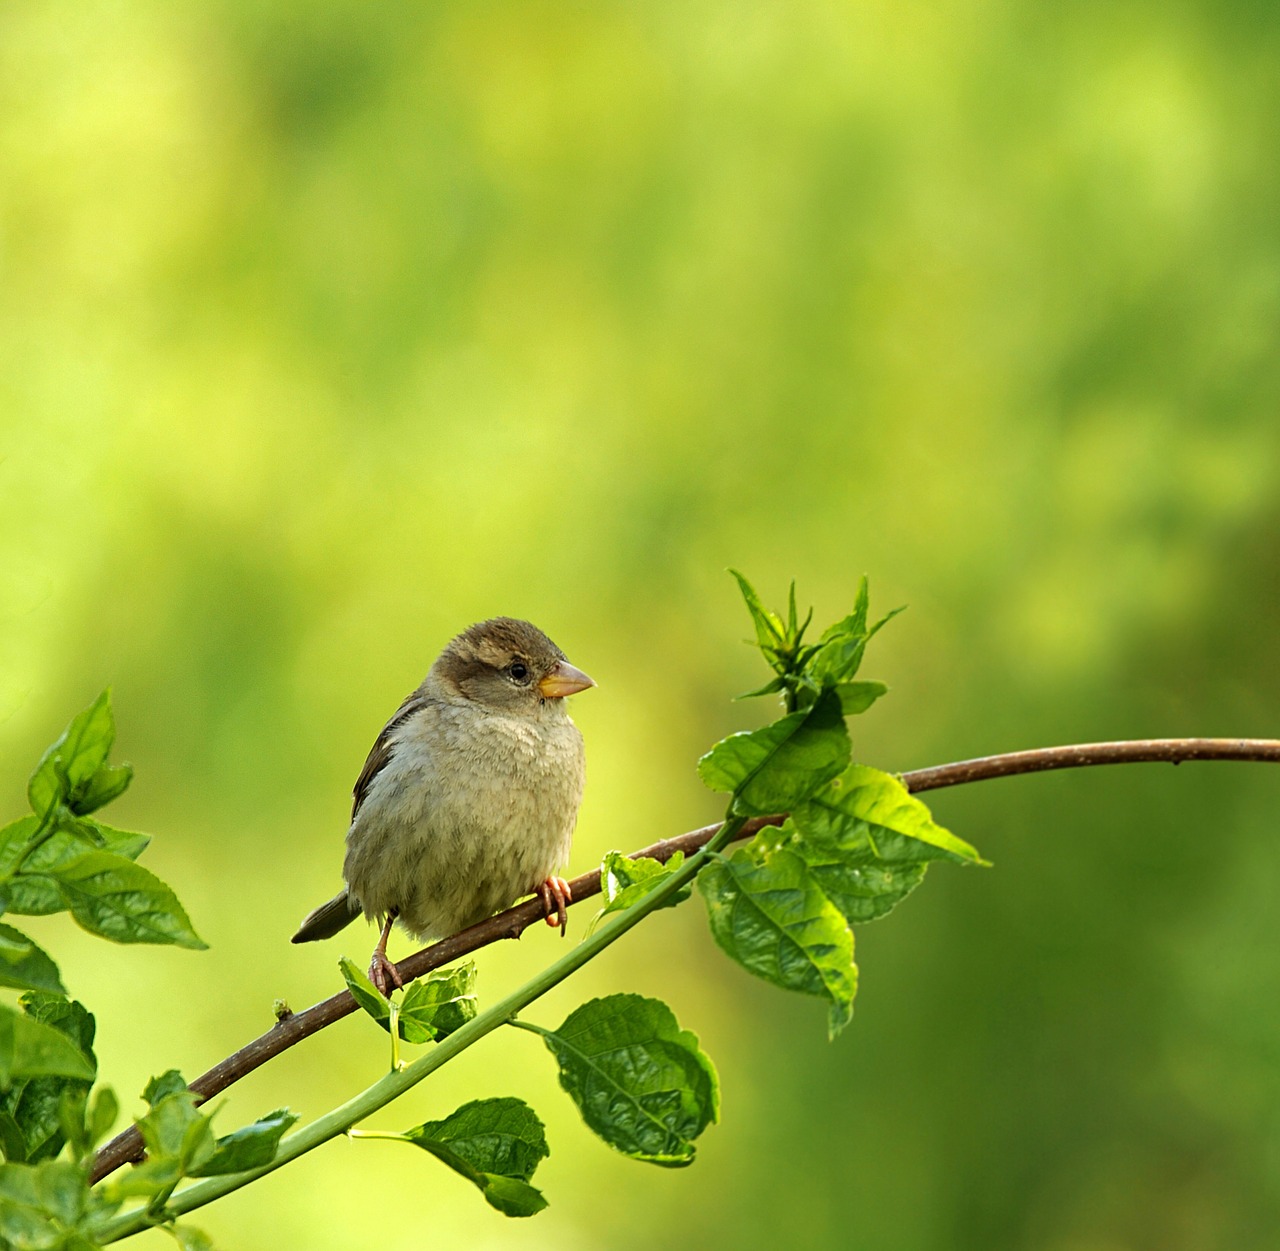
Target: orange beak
x=563, y=680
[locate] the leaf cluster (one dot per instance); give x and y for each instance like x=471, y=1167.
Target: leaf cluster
x=802, y=671
x=640, y=1082
x=63, y=858
x=855, y=842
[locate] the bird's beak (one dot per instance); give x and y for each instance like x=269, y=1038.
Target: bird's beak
x=563, y=680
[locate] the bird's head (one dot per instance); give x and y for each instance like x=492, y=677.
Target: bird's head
x=507, y=665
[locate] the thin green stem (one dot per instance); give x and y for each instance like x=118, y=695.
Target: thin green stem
x=530, y=1026
x=44, y=831
x=394, y=1023
x=395, y=1083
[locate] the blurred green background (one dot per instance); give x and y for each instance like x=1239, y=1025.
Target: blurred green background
x=328, y=329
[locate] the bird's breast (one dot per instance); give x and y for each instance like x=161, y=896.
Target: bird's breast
x=471, y=812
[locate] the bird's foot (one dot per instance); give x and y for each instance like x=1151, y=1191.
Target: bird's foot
x=556, y=898
x=383, y=974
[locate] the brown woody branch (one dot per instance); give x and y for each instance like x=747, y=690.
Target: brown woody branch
x=292, y=1029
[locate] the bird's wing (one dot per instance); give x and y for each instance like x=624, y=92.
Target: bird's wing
x=380, y=753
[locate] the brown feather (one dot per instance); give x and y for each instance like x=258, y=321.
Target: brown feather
x=380, y=752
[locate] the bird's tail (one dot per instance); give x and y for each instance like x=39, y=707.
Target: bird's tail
x=326, y=920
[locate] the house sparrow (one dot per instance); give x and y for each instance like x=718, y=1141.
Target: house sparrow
x=469, y=797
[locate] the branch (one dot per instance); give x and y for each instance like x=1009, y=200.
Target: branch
x=127, y=1146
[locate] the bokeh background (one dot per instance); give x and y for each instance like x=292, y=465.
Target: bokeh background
x=327, y=329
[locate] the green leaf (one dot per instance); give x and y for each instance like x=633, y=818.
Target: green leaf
x=624, y=880
x=33, y=1130
x=68, y=1016
x=364, y=992
x=250, y=1147
x=106, y=1107
x=73, y=1106
x=105, y=837
x=772, y=687
x=856, y=622
x=640, y=1081
x=856, y=697
x=29, y=1048
x=14, y=949
x=770, y=632
x=436, y=1005
x=34, y=892
x=24, y=966
x=840, y=655
x=170, y=1082
x=177, y=1135
x=774, y=768
x=74, y=757
x=189, y=1238
x=769, y=914
x=862, y=887
x=496, y=1144
x=431, y=1008
x=110, y=782
x=13, y=1143
x=80, y=1126
x=865, y=810
x=114, y=898
x=40, y=1203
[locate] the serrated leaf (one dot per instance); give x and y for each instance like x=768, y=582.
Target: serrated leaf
x=29, y=1048
x=126, y=843
x=74, y=756
x=436, y=1005
x=770, y=632
x=769, y=914
x=865, y=810
x=68, y=1016
x=640, y=1081
x=863, y=889
x=170, y=1082
x=496, y=1144
x=250, y=1147
x=112, y=897
x=40, y=1203
x=177, y=1135
x=623, y=880
x=24, y=966
x=34, y=892
x=774, y=768
x=431, y=1008
x=14, y=947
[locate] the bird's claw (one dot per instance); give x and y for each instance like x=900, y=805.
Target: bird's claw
x=383, y=974
x=556, y=898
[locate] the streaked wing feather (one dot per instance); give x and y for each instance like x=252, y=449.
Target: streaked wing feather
x=380, y=753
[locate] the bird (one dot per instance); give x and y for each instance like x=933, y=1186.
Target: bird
x=469, y=796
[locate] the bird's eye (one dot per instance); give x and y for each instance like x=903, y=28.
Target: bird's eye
x=518, y=671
